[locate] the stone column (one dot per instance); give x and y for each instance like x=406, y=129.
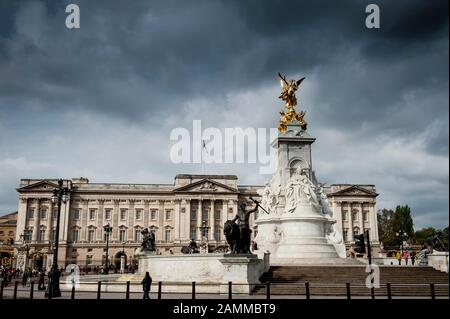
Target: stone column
x=199, y=219
x=160, y=233
x=65, y=218
x=187, y=221
x=37, y=215
x=361, y=220
x=350, y=222
x=115, y=220
x=177, y=220
x=224, y=211
x=100, y=220
x=146, y=213
x=21, y=217
x=131, y=213
x=373, y=222
x=84, y=218
x=337, y=214
x=212, y=221
x=49, y=222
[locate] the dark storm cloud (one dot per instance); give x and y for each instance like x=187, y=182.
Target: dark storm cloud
x=136, y=63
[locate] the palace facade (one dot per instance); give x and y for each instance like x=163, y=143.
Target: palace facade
x=192, y=207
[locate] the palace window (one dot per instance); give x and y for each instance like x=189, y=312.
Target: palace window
x=168, y=214
x=76, y=214
x=54, y=213
x=193, y=215
x=355, y=231
x=10, y=233
x=30, y=213
x=108, y=214
x=355, y=215
x=365, y=216
x=193, y=233
x=137, y=234
x=92, y=214
x=89, y=260
x=27, y=234
x=2, y=233
x=41, y=235
x=122, y=235
x=205, y=214
x=75, y=234
x=217, y=234
x=167, y=235
x=217, y=214
x=43, y=213
x=344, y=215
x=345, y=234
x=91, y=235
x=53, y=235
x=123, y=214
x=153, y=214
x=138, y=214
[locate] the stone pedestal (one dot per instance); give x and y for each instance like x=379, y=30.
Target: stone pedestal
x=242, y=270
x=210, y=272
x=122, y=264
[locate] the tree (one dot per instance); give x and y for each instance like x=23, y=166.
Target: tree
x=403, y=223
x=423, y=234
x=445, y=233
x=386, y=231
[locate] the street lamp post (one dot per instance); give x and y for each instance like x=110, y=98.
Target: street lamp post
x=402, y=235
x=108, y=230
x=60, y=195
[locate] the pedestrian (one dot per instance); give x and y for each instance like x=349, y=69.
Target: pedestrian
x=41, y=285
x=399, y=258
x=406, y=256
x=28, y=281
x=24, y=278
x=413, y=257
x=146, y=285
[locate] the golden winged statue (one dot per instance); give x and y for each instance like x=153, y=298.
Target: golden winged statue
x=288, y=89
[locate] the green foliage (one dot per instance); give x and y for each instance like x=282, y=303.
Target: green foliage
x=385, y=227
x=403, y=222
x=445, y=233
x=423, y=234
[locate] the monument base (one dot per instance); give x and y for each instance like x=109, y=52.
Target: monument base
x=210, y=272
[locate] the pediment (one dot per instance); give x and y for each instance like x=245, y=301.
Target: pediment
x=206, y=186
x=42, y=186
x=354, y=191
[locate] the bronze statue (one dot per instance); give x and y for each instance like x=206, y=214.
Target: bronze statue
x=288, y=89
x=237, y=231
x=148, y=240
x=191, y=249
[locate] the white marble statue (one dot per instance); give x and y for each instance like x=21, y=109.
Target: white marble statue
x=300, y=189
x=334, y=237
x=324, y=203
x=270, y=195
x=276, y=234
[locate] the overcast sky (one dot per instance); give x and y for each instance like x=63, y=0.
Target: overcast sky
x=100, y=101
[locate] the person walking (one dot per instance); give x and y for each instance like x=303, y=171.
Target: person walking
x=24, y=278
x=406, y=256
x=41, y=285
x=399, y=258
x=413, y=257
x=146, y=285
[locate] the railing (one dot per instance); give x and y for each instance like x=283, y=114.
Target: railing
x=305, y=290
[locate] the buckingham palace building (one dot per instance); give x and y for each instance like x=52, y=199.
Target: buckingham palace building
x=191, y=207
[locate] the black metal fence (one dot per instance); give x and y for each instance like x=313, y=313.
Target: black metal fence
x=268, y=290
